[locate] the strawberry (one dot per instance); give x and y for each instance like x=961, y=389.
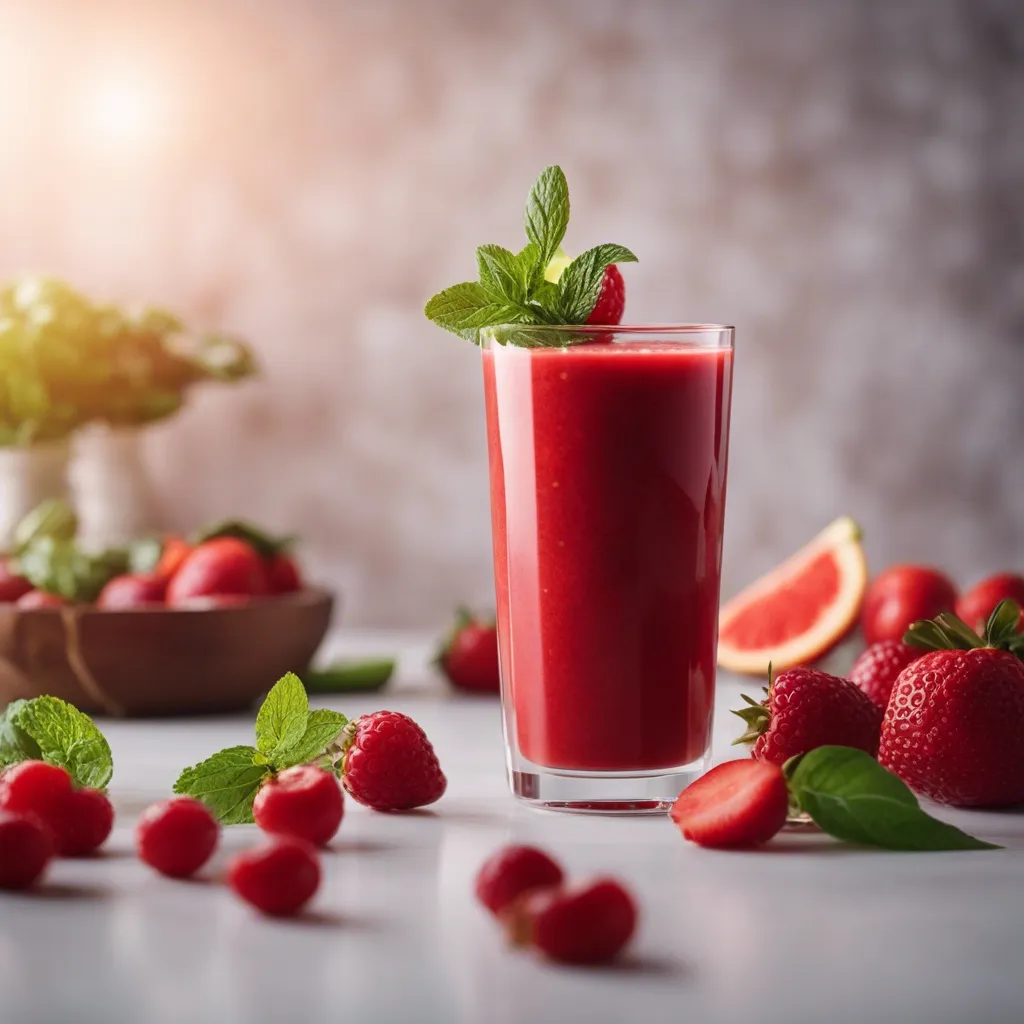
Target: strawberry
x=469, y=655
x=977, y=604
x=283, y=574
x=175, y=551
x=805, y=709
x=900, y=596
x=132, y=591
x=954, y=727
x=218, y=567
x=611, y=299
x=12, y=586
x=389, y=764
x=737, y=804
x=877, y=668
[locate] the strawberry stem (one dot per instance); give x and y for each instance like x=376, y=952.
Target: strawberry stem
x=948, y=633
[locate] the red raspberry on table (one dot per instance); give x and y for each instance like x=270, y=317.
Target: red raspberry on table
x=513, y=871
x=177, y=837
x=26, y=848
x=80, y=819
x=611, y=299
x=304, y=802
x=736, y=805
x=469, y=654
x=278, y=878
x=587, y=923
x=805, y=709
x=390, y=765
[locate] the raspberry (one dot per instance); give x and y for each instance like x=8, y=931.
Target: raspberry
x=611, y=299
x=513, y=871
x=304, y=802
x=177, y=837
x=80, y=820
x=26, y=847
x=390, y=764
x=589, y=923
x=88, y=821
x=279, y=878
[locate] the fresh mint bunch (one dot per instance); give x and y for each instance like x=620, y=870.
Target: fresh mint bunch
x=513, y=289
x=49, y=729
x=287, y=734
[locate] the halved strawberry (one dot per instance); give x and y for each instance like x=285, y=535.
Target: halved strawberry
x=737, y=804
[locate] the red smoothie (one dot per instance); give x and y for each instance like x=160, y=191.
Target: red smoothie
x=608, y=470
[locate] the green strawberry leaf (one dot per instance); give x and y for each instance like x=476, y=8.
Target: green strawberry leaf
x=322, y=729
x=281, y=720
x=851, y=796
x=580, y=283
x=547, y=212
x=67, y=737
x=227, y=783
x=263, y=543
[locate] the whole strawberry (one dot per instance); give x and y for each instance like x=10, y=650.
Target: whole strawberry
x=469, y=655
x=877, y=669
x=611, y=299
x=389, y=764
x=805, y=709
x=954, y=727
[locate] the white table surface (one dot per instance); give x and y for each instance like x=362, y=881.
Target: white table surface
x=806, y=930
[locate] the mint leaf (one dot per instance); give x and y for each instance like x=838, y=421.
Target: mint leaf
x=227, y=783
x=851, y=796
x=580, y=283
x=144, y=555
x=464, y=308
x=281, y=720
x=547, y=212
x=15, y=744
x=67, y=737
x=352, y=675
x=502, y=275
x=61, y=567
x=322, y=729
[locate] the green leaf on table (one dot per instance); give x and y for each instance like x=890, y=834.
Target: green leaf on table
x=281, y=720
x=580, y=283
x=227, y=783
x=547, y=212
x=322, y=730
x=15, y=744
x=851, y=796
x=351, y=676
x=67, y=737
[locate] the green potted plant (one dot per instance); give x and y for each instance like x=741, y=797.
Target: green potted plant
x=67, y=363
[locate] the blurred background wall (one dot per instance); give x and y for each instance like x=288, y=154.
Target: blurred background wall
x=842, y=180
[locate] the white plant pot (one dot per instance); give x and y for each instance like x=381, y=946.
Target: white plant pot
x=29, y=476
x=114, y=495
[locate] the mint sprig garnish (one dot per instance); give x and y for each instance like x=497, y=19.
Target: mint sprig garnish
x=512, y=288
x=49, y=729
x=849, y=795
x=287, y=734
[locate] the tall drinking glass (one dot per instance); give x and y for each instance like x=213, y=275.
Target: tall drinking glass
x=608, y=469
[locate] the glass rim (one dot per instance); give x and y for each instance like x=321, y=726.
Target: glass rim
x=618, y=328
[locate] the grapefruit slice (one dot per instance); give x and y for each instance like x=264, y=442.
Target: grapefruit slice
x=800, y=610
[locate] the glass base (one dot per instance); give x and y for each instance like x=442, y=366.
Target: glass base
x=579, y=792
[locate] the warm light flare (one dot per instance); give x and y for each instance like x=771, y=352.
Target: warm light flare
x=122, y=109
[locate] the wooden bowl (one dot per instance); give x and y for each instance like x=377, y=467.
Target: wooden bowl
x=160, y=661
